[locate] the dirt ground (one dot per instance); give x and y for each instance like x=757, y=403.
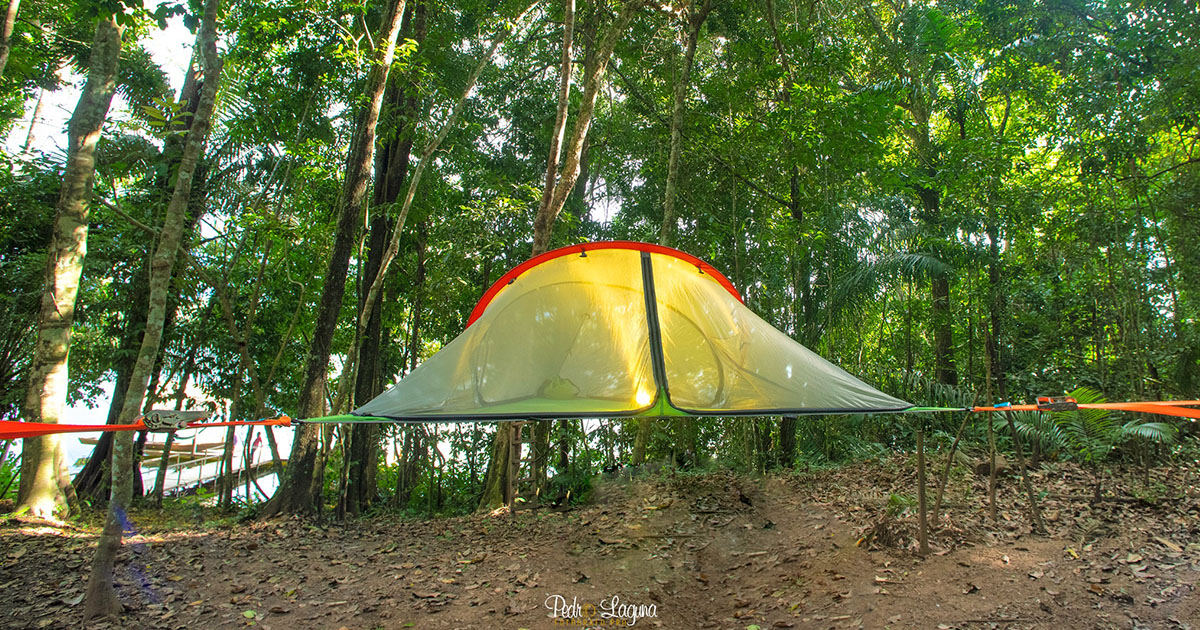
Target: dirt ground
x=825, y=549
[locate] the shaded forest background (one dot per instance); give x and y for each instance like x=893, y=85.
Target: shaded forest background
x=956, y=201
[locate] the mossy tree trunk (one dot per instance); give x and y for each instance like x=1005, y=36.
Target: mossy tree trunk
x=43, y=478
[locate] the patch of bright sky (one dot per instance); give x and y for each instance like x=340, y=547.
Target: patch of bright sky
x=170, y=48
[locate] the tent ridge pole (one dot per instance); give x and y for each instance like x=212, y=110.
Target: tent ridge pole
x=657, y=358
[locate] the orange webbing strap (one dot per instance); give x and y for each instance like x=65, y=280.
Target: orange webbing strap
x=1169, y=403
x=281, y=421
x=14, y=429
x=1165, y=410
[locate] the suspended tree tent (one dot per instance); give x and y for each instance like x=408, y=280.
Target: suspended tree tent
x=616, y=329
x=620, y=329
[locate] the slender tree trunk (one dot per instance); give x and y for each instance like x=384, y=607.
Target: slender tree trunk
x=923, y=87
x=414, y=449
x=391, y=169
x=33, y=119
x=940, y=310
x=6, y=30
x=300, y=489
x=40, y=492
x=228, y=479
x=995, y=310
x=171, y=234
x=991, y=435
x=695, y=19
x=93, y=480
x=564, y=101
x=101, y=597
x=246, y=366
x=543, y=224
x=923, y=522
x=376, y=284
x=552, y=204
x=497, y=480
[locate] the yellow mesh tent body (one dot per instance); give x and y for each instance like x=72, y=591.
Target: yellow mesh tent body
x=620, y=329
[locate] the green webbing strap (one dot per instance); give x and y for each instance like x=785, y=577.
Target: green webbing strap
x=345, y=417
x=934, y=409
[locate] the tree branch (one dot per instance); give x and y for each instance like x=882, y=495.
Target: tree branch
x=124, y=215
x=1164, y=171
x=650, y=108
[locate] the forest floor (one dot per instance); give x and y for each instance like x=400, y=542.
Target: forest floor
x=828, y=548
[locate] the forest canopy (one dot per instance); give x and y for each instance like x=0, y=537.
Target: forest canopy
x=957, y=202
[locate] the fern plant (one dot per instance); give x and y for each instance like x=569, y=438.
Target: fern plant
x=1091, y=435
x=1037, y=429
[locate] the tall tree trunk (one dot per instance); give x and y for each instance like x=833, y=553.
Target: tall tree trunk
x=6, y=30
x=302, y=440
x=694, y=20
x=300, y=489
x=376, y=283
x=541, y=431
x=415, y=452
x=920, y=97
x=995, y=309
x=391, y=170
x=41, y=492
x=101, y=597
x=543, y=225
x=33, y=120
x=245, y=366
x=564, y=101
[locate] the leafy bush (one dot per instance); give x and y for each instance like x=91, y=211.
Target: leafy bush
x=1089, y=436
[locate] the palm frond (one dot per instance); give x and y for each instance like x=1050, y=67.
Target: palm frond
x=937, y=394
x=1034, y=427
x=1160, y=432
x=1088, y=433
x=906, y=265
x=141, y=81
